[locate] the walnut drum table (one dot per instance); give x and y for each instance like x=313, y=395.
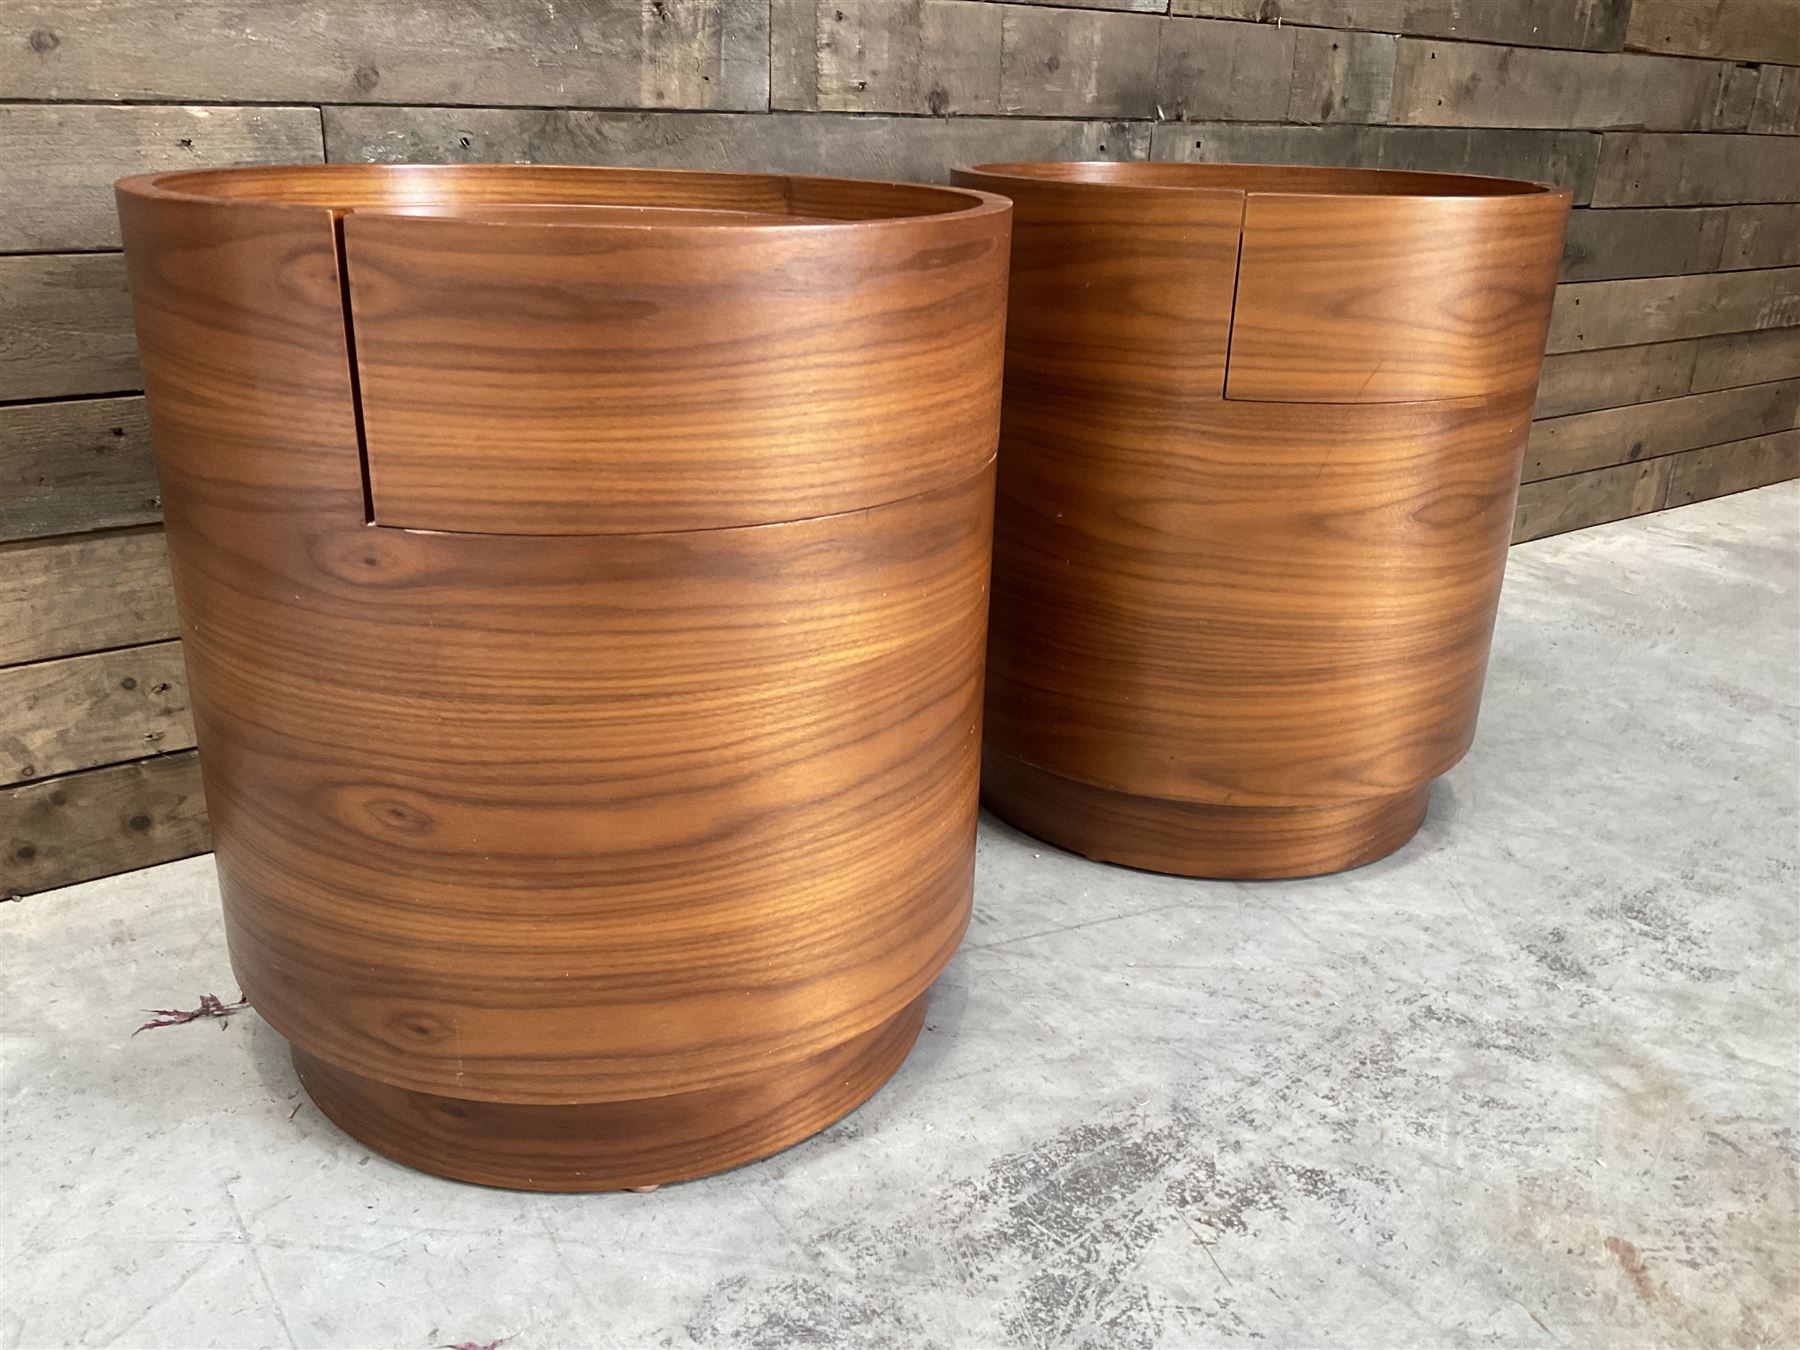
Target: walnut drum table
x=582, y=576
x=1260, y=445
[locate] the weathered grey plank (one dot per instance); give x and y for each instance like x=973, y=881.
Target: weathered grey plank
x=1776, y=106
x=1558, y=505
x=900, y=56
x=1738, y=30
x=61, y=160
x=1746, y=358
x=79, y=465
x=1650, y=168
x=599, y=53
x=1341, y=77
x=1593, y=440
x=1596, y=25
x=1737, y=466
x=1651, y=242
x=1613, y=377
x=1563, y=157
x=1133, y=6
x=103, y=821
x=1240, y=71
x=1078, y=64
x=65, y=326
x=1760, y=236
x=920, y=149
x=84, y=711
x=1459, y=84
x=62, y=597
x=1592, y=314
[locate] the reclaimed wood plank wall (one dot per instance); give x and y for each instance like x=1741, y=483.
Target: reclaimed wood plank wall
x=1674, y=372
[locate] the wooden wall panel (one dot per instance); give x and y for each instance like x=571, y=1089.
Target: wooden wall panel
x=65, y=326
x=1596, y=25
x=1675, y=124
x=82, y=464
x=1558, y=505
x=1661, y=309
x=1746, y=358
x=1461, y=84
x=1760, y=236
x=60, y=597
x=1740, y=30
x=1608, y=245
x=85, y=825
x=601, y=53
x=1593, y=440
x=1566, y=158
x=1736, y=466
x=922, y=149
x=80, y=712
x=61, y=160
x=1613, y=376
x=1676, y=169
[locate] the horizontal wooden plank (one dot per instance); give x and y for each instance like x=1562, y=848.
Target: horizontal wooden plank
x=1651, y=168
x=1593, y=440
x=600, y=53
x=61, y=597
x=93, y=824
x=936, y=56
x=1460, y=84
x=1240, y=71
x=1651, y=242
x=919, y=149
x=67, y=327
x=1738, y=30
x=81, y=712
x=1058, y=63
x=1341, y=76
x=61, y=160
x=1746, y=358
x=1558, y=505
x=1736, y=466
x=1775, y=110
x=84, y=464
x=1566, y=158
x=1612, y=377
x=1131, y=6
x=1597, y=25
x=1591, y=314
x=970, y=57
x=1761, y=236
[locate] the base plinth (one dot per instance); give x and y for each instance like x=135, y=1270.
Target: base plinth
x=607, y=1146
x=1194, y=839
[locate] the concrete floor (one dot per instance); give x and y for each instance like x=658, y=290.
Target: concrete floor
x=1535, y=1080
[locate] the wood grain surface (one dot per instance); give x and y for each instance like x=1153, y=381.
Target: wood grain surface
x=1239, y=627
x=544, y=819
x=1347, y=299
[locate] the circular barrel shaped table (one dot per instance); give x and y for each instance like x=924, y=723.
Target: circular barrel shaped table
x=1260, y=446
x=582, y=578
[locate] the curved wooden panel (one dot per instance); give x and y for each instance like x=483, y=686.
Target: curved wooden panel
x=541, y=374
x=1234, y=637
x=541, y=848
x=1263, y=605
x=1367, y=299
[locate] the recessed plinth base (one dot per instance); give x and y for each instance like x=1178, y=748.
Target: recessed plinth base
x=609, y=1146
x=1193, y=839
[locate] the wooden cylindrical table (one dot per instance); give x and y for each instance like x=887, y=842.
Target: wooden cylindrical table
x=582, y=577
x=1260, y=446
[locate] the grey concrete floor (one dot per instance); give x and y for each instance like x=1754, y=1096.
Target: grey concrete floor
x=1535, y=1080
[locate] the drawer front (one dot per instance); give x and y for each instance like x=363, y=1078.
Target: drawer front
x=1384, y=300
x=534, y=375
